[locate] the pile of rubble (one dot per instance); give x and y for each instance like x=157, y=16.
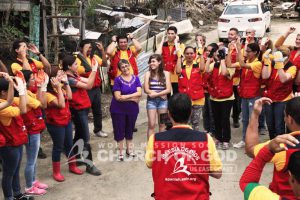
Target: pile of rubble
x=201, y=14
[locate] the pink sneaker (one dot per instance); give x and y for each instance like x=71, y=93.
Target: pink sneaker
x=40, y=185
x=34, y=191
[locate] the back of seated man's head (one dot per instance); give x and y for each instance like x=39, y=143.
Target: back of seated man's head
x=180, y=108
x=292, y=110
x=294, y=169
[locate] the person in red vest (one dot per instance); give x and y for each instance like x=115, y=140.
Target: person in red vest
x=80, y=105
x=279, y=75
x=221, y=94
x=169, y=50
x=249, y=182
x=250, y=83
x=20, y=50
x=233, y=35
x=119, y=49
x=295, y=52
x=14, y=133
x=190, y=82
x=59, y=124
x=34, y=123
x=182, y=159
x=23, y=61
x=85, y=59
x=280, y=182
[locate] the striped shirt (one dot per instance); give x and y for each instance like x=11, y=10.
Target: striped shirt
x=156, y=85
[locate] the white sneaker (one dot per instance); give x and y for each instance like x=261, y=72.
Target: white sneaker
x=239, y=145
x=218, y=144
x=101, y=134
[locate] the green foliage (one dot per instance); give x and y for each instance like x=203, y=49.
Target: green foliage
x=10, y=33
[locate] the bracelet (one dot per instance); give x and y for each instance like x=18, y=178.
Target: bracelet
x=38, y=54
x=66, y=83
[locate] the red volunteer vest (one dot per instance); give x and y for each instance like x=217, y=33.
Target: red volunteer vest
x=58, y=116
x=295, y=60
x=80, y=99
x=280, y=183
x=276, y=90
x=193, y=87
x=34, y=121
x=180, y=169
x=113, y=70
x=169, y=57
x=249, y=84
x=220, y=87
x=88, y=71
x=15, y=133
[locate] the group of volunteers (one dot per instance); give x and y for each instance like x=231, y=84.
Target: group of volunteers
x=249, y=76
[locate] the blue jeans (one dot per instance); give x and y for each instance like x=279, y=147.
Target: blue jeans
x=275, y=119
x=32, y=149
x=80, y=119
x=62, y=140
x=247, y=107
x=11, y=161
x=156, y=103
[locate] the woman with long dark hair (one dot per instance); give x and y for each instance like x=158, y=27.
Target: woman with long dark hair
x=250, y=83
x=80, y=105
x=59, y=124
x=157, y=86
x=14, y=134
x=220, y=88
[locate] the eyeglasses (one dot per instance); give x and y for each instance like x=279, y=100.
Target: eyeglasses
x=248, y=32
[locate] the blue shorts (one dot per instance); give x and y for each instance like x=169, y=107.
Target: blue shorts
x=156, y=103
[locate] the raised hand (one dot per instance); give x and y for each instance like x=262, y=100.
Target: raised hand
x=286, y=139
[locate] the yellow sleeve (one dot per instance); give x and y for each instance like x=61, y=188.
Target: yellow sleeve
x=258, y=147
x=38, y=63
x=278, y=159
x=292, y=71
x=256, y=67
x=134, y=51
x=16, y=67
x=80, y=68
x=32, y=102
x=98, y=59
x=50, y=97
x=215, y=161
x=149, y=151
x=231, y=72
x=211, y=67
x=259, y=192
x=10, y=111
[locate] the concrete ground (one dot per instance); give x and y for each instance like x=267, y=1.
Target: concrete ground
x=132, y=179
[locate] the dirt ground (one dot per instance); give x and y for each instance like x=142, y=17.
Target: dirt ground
x=132, y=179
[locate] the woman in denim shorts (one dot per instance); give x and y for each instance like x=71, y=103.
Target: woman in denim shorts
x=157, y=87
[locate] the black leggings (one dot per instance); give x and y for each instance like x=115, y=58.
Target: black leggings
x=221, y=113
